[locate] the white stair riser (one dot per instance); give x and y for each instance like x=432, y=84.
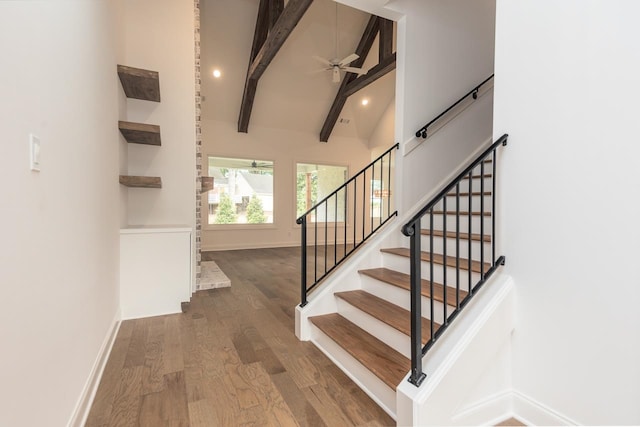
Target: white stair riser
x=464, y=203
x=464, y=223
x=385, y=333
x=401, y=298
x=438, y=247
x=401, y=264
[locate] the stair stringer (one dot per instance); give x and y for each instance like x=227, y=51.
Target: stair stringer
x=456, y=363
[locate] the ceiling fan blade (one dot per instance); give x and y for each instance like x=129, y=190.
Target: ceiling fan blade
x=358, y=71
x=323, y=60
x=336, y=74
x=349, y=59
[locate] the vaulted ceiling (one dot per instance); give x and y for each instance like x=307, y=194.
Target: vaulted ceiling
x=290, y=94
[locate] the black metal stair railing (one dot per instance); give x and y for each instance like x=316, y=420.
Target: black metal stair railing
x=437, y=209
x=422, y=132
x=363, y=204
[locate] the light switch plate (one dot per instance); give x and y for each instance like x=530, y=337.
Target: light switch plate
x=34, y=148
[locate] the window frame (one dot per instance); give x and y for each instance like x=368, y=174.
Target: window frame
x=204, y=210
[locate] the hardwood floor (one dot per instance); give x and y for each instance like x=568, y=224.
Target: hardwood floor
x=511, y=422
x=232, y=359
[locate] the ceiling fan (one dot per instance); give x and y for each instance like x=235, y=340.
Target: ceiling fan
x=261, y=165
x=336, y=65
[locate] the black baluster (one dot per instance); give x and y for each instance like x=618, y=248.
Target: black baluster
x=315, y=245
x=493, y=210
x=444, y=258
x=335, y=230
x=417, y=376
x=458, y=245
x=303, y=262
x=431, y=272
x=481, y=219
x=326, y=225
x=469, y=227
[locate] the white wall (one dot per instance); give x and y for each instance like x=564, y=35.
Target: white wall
x=383, y=136
x=285, y=148
x=567, y=93
x=59, y=252
x=444, y=50
x=159, y=35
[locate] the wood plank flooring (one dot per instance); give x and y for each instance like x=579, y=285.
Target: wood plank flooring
x=231, y=360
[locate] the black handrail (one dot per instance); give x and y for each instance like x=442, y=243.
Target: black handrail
x=422, y=132
x=412, y=229
x=359, y=205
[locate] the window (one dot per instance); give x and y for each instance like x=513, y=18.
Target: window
x=242, y=191
x=314, y=183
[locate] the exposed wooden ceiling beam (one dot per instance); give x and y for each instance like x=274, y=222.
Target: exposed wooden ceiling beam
x=275, y=9
x=386, y=39
x=261, y=30
x=288, y=20
x=259, y=36
x=366, y=41
x=386, y=65
x=278, y=34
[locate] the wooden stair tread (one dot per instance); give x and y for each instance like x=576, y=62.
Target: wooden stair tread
x=141, y=181
x=439, y=259
x=394, y=316
x=385, y=363
x=140, y=133
x=466, y=194
x=140, y=84
x=452, y=235
x=403, y=281
x=486, y=175
x=465, y=213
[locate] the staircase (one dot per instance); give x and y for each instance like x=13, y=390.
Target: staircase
x=369, y=335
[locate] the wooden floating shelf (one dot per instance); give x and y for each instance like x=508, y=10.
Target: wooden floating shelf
x=207, y=184
x=140, y=133
x=141, y=181
x=140, y=84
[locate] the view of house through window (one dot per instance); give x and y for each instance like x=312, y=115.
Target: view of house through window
x=315, y=182
x=242, y=191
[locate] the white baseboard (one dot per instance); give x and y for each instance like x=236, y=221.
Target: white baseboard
x=238, y=246
x=81, y=411
x=483, y=412
x=511, y=404
x=531, y=412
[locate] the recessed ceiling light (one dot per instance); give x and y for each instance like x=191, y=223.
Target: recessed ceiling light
x=217, y=73
x=365, y=101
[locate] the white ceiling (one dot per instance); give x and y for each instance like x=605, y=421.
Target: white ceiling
x=290, y=95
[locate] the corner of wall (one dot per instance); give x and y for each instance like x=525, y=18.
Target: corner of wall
x=468, y=370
